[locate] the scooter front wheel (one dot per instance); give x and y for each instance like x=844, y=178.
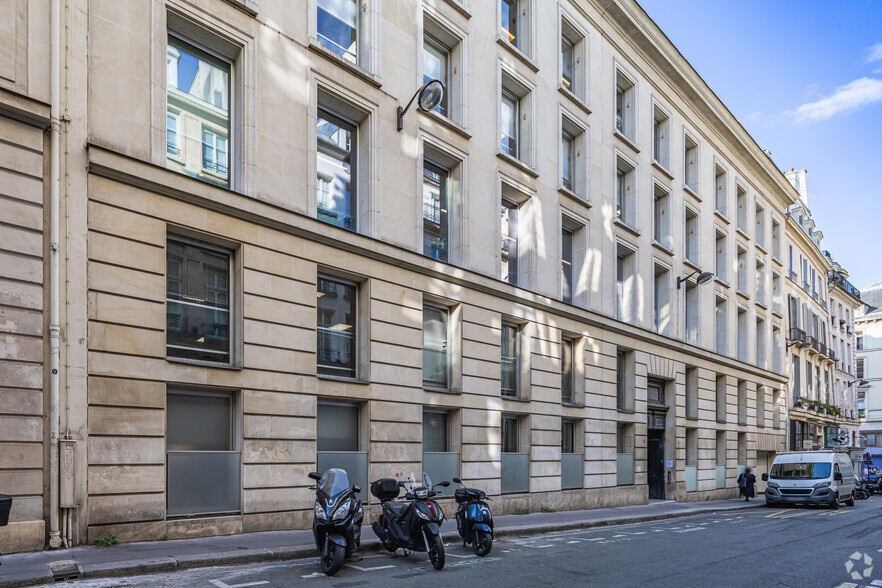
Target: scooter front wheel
x=436, y=552
x=483, y=543
x=333, y=561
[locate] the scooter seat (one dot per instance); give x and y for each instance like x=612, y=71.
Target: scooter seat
x=395, y=507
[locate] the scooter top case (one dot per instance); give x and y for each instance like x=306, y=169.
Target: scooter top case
x=385, y=488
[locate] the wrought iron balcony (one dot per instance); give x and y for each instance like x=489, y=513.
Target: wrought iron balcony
x=797, y=334
x=837, y=280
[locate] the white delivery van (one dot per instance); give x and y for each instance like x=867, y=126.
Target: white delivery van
x=810, y=477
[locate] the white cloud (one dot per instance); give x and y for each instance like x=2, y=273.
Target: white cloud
x=848, y=97
x=874, y=53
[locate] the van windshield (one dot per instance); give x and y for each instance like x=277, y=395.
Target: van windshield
x=800, y=471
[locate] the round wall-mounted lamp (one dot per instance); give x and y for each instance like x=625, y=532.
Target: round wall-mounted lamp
x=428, y=98
x=703, y=278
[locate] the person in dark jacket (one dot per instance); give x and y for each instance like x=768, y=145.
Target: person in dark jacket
x=746, y=483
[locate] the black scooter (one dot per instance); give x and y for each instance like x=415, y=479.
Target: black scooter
x=414, y=525
x=338, y=516
x=473, y=519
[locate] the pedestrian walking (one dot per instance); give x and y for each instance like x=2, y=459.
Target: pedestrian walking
x=746, y=483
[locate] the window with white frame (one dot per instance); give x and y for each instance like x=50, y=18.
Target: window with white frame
x=198, y=301
x=626, y=275
x=514, y=23
x=198, y=98
x=626, y=188
x=436, y=347
x=337, y=27
x=690, y=158
x=573, y=48
x=661, y=143
x=741, y=203
x=625, y=106
x=203, y=455
x=661, y=300
x=436, y=66
x=336, y=170
x=720, y=193
x=720, y=267
x=720, y=325
x=760, y=226
x=572, y=157
x=691, y=236
x=514, y=119
x=508, y=229
x=436, y=211
x=661, y=215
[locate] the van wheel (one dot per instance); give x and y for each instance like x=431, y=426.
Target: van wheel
x=835, y=504
x=850, y=501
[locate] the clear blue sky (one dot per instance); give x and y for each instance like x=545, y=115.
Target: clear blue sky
x=805, y=80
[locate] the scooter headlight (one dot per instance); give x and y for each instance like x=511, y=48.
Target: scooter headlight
x=422, y=514
x=320, y=513
x=341, y=512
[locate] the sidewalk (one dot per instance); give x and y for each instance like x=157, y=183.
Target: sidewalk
x=127, y=559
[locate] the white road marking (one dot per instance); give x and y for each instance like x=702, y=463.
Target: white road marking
x=313, y=575
x=361, y=569
x=541, y=546
x=221, y=584
x=462, y=556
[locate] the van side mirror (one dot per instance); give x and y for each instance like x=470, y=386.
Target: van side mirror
x=838, y=477
x=765, y=477
x=315, y=475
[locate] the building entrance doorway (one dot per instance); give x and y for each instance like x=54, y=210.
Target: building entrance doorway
x=655, y=450
x=655, y=457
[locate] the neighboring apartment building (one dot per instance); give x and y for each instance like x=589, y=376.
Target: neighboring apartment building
x=263, y=276
x=868, y=363
x=822, y=412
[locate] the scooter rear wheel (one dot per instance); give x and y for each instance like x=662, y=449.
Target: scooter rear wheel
x=436, y=552
x=332, y=562
x=482, y=543
x=389, y=546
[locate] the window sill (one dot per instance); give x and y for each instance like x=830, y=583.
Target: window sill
x=762, y=305
x=741, y=232
x=515, y=398
x=691, y=418
x=778, y=312
x=721, y=216
x=691, y=264
x=342, y=379
x=575, y=100
x=204, y=363
x=688, y=189
x=626, y=141
x=446, y=123
x=777, y=261
x=572, y=405
x=518, y=164
x=352, y=68
x=742, y=294
x=626, y=226
x=761, y=248
x=662, y=248
x=249, y=7
x=662, y=169
x=573, y=196
x=441, y=390
x=520, y=55
x=722, y=282
x=626, y=411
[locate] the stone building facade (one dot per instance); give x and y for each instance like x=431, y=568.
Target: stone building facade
x=263, y=276
x=868, y=363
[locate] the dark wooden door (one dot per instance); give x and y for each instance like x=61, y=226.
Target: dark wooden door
x=656, y=463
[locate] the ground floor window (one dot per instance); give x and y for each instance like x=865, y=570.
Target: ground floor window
x=203, y=456
x=338, y=441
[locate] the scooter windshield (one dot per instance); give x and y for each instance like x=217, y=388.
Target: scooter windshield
x=333, y=482
x=418, y=481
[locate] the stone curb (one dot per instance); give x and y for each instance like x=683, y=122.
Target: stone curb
x=176, y=563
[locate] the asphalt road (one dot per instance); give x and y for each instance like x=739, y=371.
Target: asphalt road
x=757, y=547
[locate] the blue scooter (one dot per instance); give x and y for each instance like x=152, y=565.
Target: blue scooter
x=473, y=519
x=338, y=516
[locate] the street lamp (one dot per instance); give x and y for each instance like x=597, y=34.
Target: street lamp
x=703, y=278
x=430, y=95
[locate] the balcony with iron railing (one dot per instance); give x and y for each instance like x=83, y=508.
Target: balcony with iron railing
x=797, y=334
x=839, y=281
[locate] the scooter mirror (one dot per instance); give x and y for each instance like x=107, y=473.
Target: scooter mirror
x=315, y=475
x=356, y=488
x=443, y=484
x=457, y=481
